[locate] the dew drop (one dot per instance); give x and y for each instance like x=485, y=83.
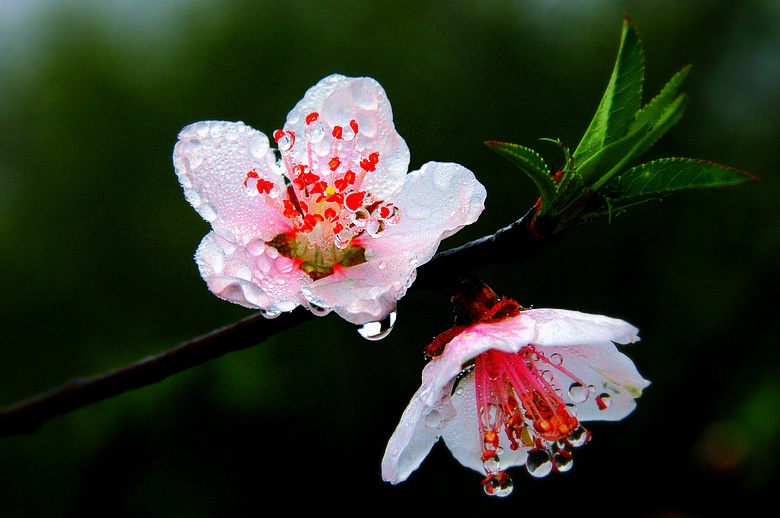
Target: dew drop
x=578, y=392
x=433, y=420
x=360, y=218
x=563, y=460
x=603, y=401
x=578, y=437
x=492, y=465
x=556, y=359
x=315, y=132
x=499, y=485
x=547, y=376
x=319, y=311
x=459, y=391
x=347, y=133
x=285, y=142
x=270, y=313
x=378, y=329
x=375, y=227
x=539, y=463
x=255, y=247
x=274, y=192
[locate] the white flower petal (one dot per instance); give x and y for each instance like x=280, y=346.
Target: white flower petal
x=212, y=159
x=608, y=371
x=254, y=281
x=420, y=427
x=508, y=335
x=564, y=327
x=338, y=100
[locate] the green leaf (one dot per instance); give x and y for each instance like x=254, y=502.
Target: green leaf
x=653, y=110
x=622, y=98
x=666, y=176
x=611, y=159
x=532, y=164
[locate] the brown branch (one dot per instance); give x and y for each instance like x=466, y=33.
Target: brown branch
x=516, y=243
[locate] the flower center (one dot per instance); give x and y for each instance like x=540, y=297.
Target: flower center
x=323, y=201
x=515, y=393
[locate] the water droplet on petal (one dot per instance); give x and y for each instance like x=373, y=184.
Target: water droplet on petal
x=603, y=401
x=578, y=392
x=556, y=359
x=539, y=463
x=378, y=329
x=375, y=227
x=315, y=132
x=347, y=133
x=492, y=465
x=285, y=141
x=270, y=313
x=433, y=420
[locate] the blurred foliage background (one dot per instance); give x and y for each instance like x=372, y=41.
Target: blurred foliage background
x=96, y=245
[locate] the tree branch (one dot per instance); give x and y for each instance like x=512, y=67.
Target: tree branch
x=517, y=242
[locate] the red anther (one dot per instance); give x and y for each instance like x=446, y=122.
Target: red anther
x=369, y=164
x=329, y=213
x=350, y=176
x=338, y=227
x=556, y=176
x=334, y=162
x=354, y=200
x=340, y=184
x=488, y=455
x=313, y=116
x=491, y=438
x=337, y=131
x=264, y=186
x=600, y=403
x=318, y=188
x=310, y=178
x=309, y=220
x=336, y=197
x=278, y=134
x=290, y=210
x=304, y=208
x=354, y=125
x=252, y=174
x=384, y=211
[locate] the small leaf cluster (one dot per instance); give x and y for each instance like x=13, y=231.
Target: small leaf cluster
x=599, y=178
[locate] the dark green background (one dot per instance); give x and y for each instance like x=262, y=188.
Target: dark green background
x=96, y=245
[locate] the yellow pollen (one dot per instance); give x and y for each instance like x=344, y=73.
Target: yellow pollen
x=330, y=190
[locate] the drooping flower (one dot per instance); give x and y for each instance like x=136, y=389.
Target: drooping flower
x=509, y=386
x=329, y=219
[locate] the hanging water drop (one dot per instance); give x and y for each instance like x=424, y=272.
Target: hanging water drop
x=270, y=313
x=499, y=484
x=319, y=311
x=378, y=329
x=563, y=460
x=539, y=463
x=578, y=437
x=556, y=359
